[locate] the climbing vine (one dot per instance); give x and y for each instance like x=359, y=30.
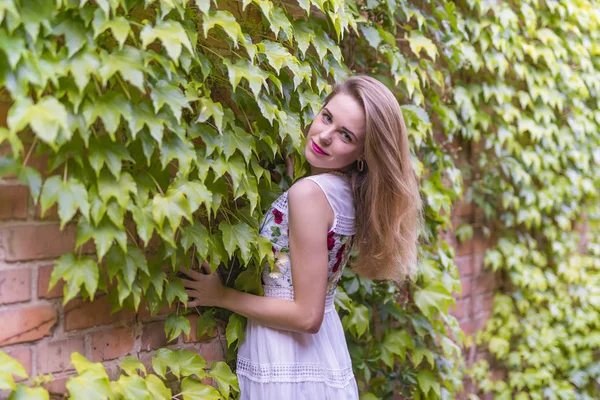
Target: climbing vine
x=528, y=94
x=166, y=125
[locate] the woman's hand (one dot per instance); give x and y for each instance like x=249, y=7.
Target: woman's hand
x=205, y=289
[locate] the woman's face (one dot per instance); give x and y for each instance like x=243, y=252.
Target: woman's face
x=337, y=135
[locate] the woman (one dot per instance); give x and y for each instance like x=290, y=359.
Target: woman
x=362, y=192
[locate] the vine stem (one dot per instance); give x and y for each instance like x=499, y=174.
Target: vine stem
x=124, y=88
x=65, y=171
x=30, y=151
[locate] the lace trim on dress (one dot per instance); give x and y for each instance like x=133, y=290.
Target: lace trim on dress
x=294, y=373
x=287, y=293
x=344, y=225
x=282, y=203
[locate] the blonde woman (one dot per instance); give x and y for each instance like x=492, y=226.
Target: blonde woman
x=362, y=192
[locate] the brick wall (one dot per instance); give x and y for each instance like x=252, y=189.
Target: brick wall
x=41, y=333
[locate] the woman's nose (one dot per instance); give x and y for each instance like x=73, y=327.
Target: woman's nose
x=325, y=136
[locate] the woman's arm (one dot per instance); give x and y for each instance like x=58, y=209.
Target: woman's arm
x=310, y=217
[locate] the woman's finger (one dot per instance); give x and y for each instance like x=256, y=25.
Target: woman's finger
x=194, y=303
x=189, y=284
x=205, y=266
x=190, y=272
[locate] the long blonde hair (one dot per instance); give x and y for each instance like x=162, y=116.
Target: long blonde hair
x=386, y=191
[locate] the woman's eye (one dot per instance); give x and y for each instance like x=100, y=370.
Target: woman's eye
x=346, y=136
x=326, y=117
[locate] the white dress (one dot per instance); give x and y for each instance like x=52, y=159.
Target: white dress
x=276, y=364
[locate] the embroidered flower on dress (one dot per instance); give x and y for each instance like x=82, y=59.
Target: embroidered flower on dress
x=330, y=241
x=278, y=216
x=339, y=257
x=281, y=259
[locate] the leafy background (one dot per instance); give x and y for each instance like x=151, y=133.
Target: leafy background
x=167, y=124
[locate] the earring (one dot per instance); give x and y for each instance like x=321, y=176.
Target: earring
x=360, y=164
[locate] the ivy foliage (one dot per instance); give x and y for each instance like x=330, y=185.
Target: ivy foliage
x=529, y=95
x=182, y=368
x=166, y=125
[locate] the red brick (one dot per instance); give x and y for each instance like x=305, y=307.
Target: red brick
x=465, y=265
x=44, y=274
x=112, y=343
x=210, y=351
x=484, y=303
x=58, y=386
x=480, y=242
x=194, y=331
x=485, y=282
x=22, y=355
x=465, y=248
x=463, y=208
x=55, y=356
x=14, y=202
x=25, y=324
x=15, y=286
x=153, y=336
x=51, y=214
x=80, y=314
x=33, y=242
x=478, y=260
x=462, y=309
x=465, y=284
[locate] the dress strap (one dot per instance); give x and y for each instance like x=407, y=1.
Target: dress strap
x=336, y=188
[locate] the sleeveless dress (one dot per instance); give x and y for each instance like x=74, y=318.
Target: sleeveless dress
x=276, y=364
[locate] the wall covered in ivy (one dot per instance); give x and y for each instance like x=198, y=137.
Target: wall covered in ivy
x=164, y=126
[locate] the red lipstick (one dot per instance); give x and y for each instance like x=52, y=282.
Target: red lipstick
x=317, y=149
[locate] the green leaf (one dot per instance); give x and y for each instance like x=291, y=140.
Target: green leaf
x=127, y=264
x=395, y=343
x=9, y=367
x=206, y=323
x=203, y=5
x=77, y=273
x=104, y=235
x=238, y=236
x=432, y=298
x=105, y=152
x=171, y=34
x=173, y=206
x=226, y=379
x=74, y=32
x=176, y=290
x=131, y=387
x=128, y=62
x=418, y=42
x=131, y=366
x=144, y=221
x=372, y=35
x=143, y=115
x=120, y=190
x=83, y=67
x=92, y=383
x=175, y=325
x=304, y=35
x=195, y=234
x=192, y=389
x=225, y=20
x=109, y=108
x=256, y=77
x=157, y=389
x=279, y=21
x=175, y=148
x=235, y=330
x=13, y=46
x=32, y=178
x=26, y=393
x=210, y=109
x=45, y=117
x=427, y=381
x=165, y=93
x=119, y=27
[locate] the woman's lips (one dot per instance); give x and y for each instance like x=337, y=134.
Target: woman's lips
x=318, y=150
